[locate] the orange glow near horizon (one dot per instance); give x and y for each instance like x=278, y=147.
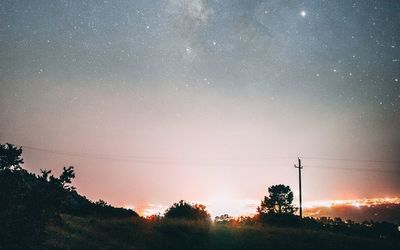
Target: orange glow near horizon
x=236, y=208
x=354, y=202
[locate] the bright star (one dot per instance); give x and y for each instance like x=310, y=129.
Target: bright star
x=303, y=13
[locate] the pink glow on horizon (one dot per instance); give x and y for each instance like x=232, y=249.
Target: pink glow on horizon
x=238, y=208
x=145, y=146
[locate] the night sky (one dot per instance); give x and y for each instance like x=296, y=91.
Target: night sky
x=211, y=101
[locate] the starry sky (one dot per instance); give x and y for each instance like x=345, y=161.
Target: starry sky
x=209, y=101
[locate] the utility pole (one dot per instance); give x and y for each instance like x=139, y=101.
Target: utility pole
x=300, y=167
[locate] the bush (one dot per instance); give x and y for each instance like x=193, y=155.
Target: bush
x=185, y=210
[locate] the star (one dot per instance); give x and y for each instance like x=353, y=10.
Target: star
x=303, y=13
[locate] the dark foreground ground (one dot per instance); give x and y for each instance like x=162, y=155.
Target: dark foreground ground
x=135, y=233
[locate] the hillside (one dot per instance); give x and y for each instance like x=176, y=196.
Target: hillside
x=136, y=233
x=382, y=212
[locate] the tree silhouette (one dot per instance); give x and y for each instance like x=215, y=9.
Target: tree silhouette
x=223, y=219
x=279, y=201
x=10, y=156
x=66, y=178
x=29, y=202
x=185, y=210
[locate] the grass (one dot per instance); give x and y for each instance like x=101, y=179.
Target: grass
x=136, y=233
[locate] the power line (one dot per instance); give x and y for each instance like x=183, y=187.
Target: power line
x=351, y=160
x=128, y=157
x=116, y=156
x=88, y=155
x=355, y=169
x=247, y=163
x=150, y=160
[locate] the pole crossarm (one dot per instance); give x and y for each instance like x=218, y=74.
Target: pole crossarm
x=300, y=167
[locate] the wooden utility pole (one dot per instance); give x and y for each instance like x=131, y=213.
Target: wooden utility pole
x=300, y=167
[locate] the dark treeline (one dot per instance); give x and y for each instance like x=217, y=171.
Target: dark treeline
x=30, y=203
x=277, y=209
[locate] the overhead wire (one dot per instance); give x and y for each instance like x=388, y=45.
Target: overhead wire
x=236, y=162
x=376, y=169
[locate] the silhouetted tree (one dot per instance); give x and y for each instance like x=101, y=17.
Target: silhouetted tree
x=246, y=220
x=154, y=218
x=66, y=178
x=29, y=202
x=101, y=203
x=279, y=201
x=185, y=210
x=103, y=209
x=10, y=156
x=24, y=209
x=223, y=219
